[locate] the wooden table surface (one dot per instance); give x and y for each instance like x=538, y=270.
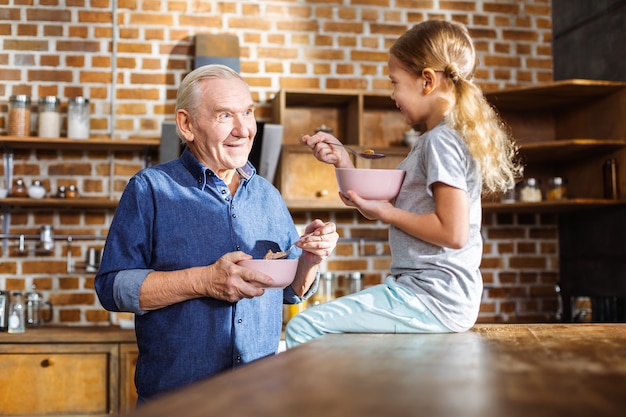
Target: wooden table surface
x=493, y=370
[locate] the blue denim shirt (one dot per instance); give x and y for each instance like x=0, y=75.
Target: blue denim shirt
x=179, y=215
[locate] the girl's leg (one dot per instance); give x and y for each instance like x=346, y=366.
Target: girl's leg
x=384, y=308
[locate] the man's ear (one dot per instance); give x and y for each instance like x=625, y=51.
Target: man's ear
x=183, y=121
x=429, y=80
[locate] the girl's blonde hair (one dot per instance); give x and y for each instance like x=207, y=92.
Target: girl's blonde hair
x=447, y=47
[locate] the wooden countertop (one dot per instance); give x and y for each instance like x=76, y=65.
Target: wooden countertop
x=69, y=334
x=493, y=370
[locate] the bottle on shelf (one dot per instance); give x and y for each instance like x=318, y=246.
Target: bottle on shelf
x=17, y=318
x=355, y=282
x=611, y=187
x=4, y=309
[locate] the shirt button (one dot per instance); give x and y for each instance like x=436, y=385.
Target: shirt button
x=239, y=321
x=234, y=216
x=238, y=358
x=238, y=247
x=223, y=191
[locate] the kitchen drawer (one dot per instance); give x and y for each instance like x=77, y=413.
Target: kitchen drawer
x=68, y=379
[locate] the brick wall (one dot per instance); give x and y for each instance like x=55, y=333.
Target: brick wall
x=129, y=62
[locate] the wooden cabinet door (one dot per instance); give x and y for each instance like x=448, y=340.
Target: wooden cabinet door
x=128, y=363
x=305, y=182
x=58, y=380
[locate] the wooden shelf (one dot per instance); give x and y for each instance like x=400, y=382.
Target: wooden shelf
x=568, y=149
x=33, y=142
x=63, y=203
x=552, y=95
x=552, y=206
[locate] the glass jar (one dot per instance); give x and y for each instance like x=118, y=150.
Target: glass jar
x=19, y=115
x=49, y=117
x=78, y=118
x=325, y=290
x=355, y=282
x=557, y=189
x=530, y=192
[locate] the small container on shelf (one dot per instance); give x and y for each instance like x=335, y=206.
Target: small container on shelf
x=36, y=190
x=61, y=192
x=556, y=189
x=530, y=191
x=49, y=117
x=19, y=189
x=78, y=118
x=508, y=196
x=71, y=192
x=19, y=115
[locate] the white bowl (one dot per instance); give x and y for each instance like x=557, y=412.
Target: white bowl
x=370, y=184
x=282, y=270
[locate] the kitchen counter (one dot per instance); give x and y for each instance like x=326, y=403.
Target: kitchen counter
x=493, y=370
x=70, y=334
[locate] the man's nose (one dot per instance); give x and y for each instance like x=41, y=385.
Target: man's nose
x=241, y=126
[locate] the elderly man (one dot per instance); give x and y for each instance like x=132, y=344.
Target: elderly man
x=180, y=230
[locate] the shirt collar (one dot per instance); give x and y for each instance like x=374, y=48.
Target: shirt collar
x=201, y=172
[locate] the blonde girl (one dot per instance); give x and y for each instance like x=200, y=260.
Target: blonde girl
x=435, y=283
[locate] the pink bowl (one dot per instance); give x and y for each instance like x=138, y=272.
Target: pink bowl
x=371, y=184
x=282, y=270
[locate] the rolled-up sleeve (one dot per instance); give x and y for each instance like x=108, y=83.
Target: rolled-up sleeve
x=126, y=287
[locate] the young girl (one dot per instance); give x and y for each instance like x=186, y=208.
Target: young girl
x=434, y=224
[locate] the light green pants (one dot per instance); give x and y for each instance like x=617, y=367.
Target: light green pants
x=384, y=308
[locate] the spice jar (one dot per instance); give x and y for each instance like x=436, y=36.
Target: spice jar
x=19, y=115
x=49, y=117
x=78, y=118
x=36, y=190
x=61, y=192
x=71, y=192
x=557, y=189
x=530, y=191
x=19, y=188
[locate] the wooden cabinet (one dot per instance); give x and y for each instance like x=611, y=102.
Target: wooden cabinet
x=565, y=128
x=357, y=118
x=128, y=363
x=67, y=371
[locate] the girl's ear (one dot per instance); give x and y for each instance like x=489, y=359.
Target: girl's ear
x=429, y=79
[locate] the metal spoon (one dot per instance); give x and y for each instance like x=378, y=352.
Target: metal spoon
x=368, y=154
x=282, y=255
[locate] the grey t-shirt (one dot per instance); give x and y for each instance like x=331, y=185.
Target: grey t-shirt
x=448, y=281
